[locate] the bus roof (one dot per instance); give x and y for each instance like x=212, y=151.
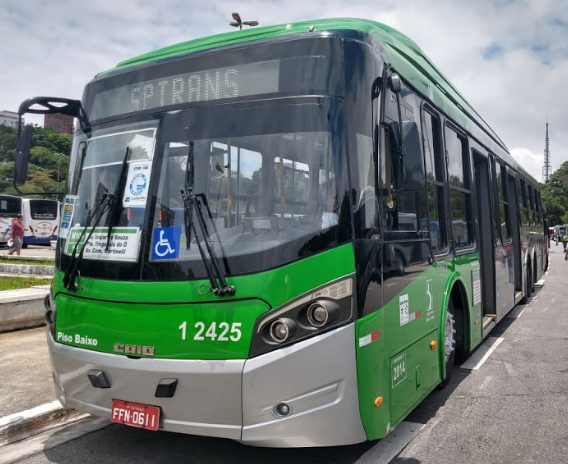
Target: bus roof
x=401, y=52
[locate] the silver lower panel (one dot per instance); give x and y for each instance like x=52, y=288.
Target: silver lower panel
x=232, y=399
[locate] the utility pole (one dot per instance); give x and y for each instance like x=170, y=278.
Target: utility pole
x=547, y=168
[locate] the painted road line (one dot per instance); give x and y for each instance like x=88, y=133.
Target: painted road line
x=29, y=413
x=517, y=312
x=482, y=354
x=387, y=448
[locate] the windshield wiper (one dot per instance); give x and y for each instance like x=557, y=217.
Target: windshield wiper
x=116, y=199
x=219, y=284
x=73, y=266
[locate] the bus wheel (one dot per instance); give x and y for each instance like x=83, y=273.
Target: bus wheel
x=24, y=245
x=449, y=343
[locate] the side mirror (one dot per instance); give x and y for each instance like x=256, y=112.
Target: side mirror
x=408, y=160
x=23, y=154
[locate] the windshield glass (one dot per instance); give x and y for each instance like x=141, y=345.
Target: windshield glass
x=269, y=177
x=266, y=179
x=111, y=164
x=43, y=209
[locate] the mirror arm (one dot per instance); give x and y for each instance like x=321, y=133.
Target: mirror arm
x=402, y=148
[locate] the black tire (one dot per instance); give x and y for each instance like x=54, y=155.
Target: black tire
x=399, y=266
x=24, y=246
x=449, y=343
x=525, y=299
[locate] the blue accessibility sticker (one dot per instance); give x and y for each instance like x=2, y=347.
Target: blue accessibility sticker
x=165, y=244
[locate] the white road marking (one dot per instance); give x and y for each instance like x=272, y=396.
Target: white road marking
x=485, y=382
x=482, y=353
x=545, y=309
x=517, y=312
x=387, y=448
x=29, y=413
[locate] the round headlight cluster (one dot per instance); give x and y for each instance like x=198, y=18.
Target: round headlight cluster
x=280, y=330
x=317, y=314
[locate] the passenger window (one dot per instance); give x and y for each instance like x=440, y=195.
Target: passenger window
x=460, y=194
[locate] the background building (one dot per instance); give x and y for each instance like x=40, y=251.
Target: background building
x=59, y=123
x=10, y=119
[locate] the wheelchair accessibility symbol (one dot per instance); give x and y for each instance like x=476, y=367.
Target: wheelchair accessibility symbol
x=165, y=244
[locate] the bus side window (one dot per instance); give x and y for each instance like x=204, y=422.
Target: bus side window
x=434, y=220
x=460, y=189
x=503, y=199
x=404, y=209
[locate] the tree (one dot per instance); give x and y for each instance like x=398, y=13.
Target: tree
x=554, y=196
x=49, y=160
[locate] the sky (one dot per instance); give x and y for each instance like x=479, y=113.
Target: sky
x=509, y=58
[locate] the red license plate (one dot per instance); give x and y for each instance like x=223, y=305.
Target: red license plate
x=135, y=414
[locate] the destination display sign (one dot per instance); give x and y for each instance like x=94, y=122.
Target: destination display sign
x=202, y=86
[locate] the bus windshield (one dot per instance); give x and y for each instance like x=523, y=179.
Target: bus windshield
x=10, y=206
x=43, y=209
x=267, y=180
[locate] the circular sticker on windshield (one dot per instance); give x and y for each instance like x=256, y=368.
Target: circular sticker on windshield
x=138, y=184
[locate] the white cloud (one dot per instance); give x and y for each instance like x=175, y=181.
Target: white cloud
x=56, y=47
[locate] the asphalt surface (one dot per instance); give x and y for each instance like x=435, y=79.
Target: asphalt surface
x=33, y=250
x=25, y=371
x=513, y=409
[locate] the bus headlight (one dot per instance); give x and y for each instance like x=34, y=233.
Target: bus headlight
x=320, y=310
x=317, y=314
x=281, y=330
x=50, y=312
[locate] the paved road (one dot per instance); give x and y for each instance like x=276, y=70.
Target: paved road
x=33, y=250
x=512, y=409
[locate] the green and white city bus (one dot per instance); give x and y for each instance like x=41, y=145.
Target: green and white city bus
x=284, y=236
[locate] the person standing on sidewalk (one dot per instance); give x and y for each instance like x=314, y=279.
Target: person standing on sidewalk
x=17, y=235
x=565, y=241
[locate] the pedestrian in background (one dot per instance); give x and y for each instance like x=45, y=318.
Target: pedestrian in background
x=565, y=241
x=17, y=235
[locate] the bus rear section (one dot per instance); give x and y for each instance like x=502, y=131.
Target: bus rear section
x=41, y=220
x=10, y=207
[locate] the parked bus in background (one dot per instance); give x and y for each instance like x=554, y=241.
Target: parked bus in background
x=284, y=236
x=40, y=219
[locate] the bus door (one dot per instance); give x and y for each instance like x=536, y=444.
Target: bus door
x=485, y=232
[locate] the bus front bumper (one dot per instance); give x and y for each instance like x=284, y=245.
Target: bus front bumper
x=235, y=399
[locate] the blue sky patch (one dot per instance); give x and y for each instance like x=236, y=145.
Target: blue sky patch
x=493, y=51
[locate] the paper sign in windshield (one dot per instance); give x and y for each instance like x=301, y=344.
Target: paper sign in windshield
x=67, y=215
x=137, y=183
x=123, y=246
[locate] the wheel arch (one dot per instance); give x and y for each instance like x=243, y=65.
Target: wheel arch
x=456, y=293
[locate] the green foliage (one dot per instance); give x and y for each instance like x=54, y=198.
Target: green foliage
x=49, y=160
x=554, y=196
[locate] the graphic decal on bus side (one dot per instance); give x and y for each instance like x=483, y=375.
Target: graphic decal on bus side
x=398, y=369
x=430, y=309
x=405, y=315
x=367, y=339
x=476, y=284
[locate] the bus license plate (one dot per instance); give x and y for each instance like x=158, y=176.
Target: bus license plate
x=135, y=414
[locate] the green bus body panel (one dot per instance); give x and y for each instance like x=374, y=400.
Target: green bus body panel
x=398, y=363
x=402, y=53
x=82, y=322
x=151, y=313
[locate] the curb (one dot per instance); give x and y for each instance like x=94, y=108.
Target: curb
x=21, y=425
